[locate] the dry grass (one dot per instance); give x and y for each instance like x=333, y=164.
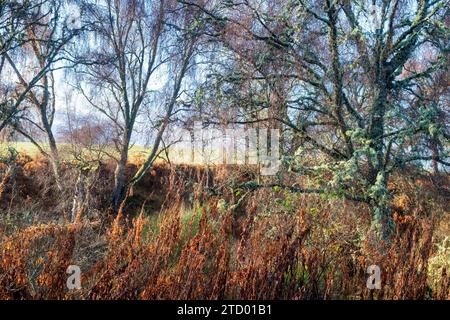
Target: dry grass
x=199, y=245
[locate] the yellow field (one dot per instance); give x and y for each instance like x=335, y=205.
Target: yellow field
x=31, y=150
x=136, y=153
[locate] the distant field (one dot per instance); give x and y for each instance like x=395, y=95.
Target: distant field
x=30, y=149
x=136, y=152
x=177, y=154
x=23, y=147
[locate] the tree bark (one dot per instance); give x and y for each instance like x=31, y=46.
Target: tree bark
x=120, y=178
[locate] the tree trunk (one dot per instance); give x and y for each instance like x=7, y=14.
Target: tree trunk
x=120, y=179
x=54, y=154
x=378, y=178
x=382, y=221
x=54, y=159
x=435, y=152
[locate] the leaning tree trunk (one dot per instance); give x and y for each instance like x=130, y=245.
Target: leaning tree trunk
x=54, y=154
x=54, y=160
x=120, y=179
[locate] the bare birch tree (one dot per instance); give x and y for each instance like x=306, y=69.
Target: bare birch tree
x=45, y=36
x=136, y=46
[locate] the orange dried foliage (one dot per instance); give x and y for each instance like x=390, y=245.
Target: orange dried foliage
x=240, y=251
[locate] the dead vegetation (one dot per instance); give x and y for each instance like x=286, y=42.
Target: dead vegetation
x=176, y=237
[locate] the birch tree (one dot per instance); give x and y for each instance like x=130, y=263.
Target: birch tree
x=45, y=34
x=138, y=42
x=355, y=107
